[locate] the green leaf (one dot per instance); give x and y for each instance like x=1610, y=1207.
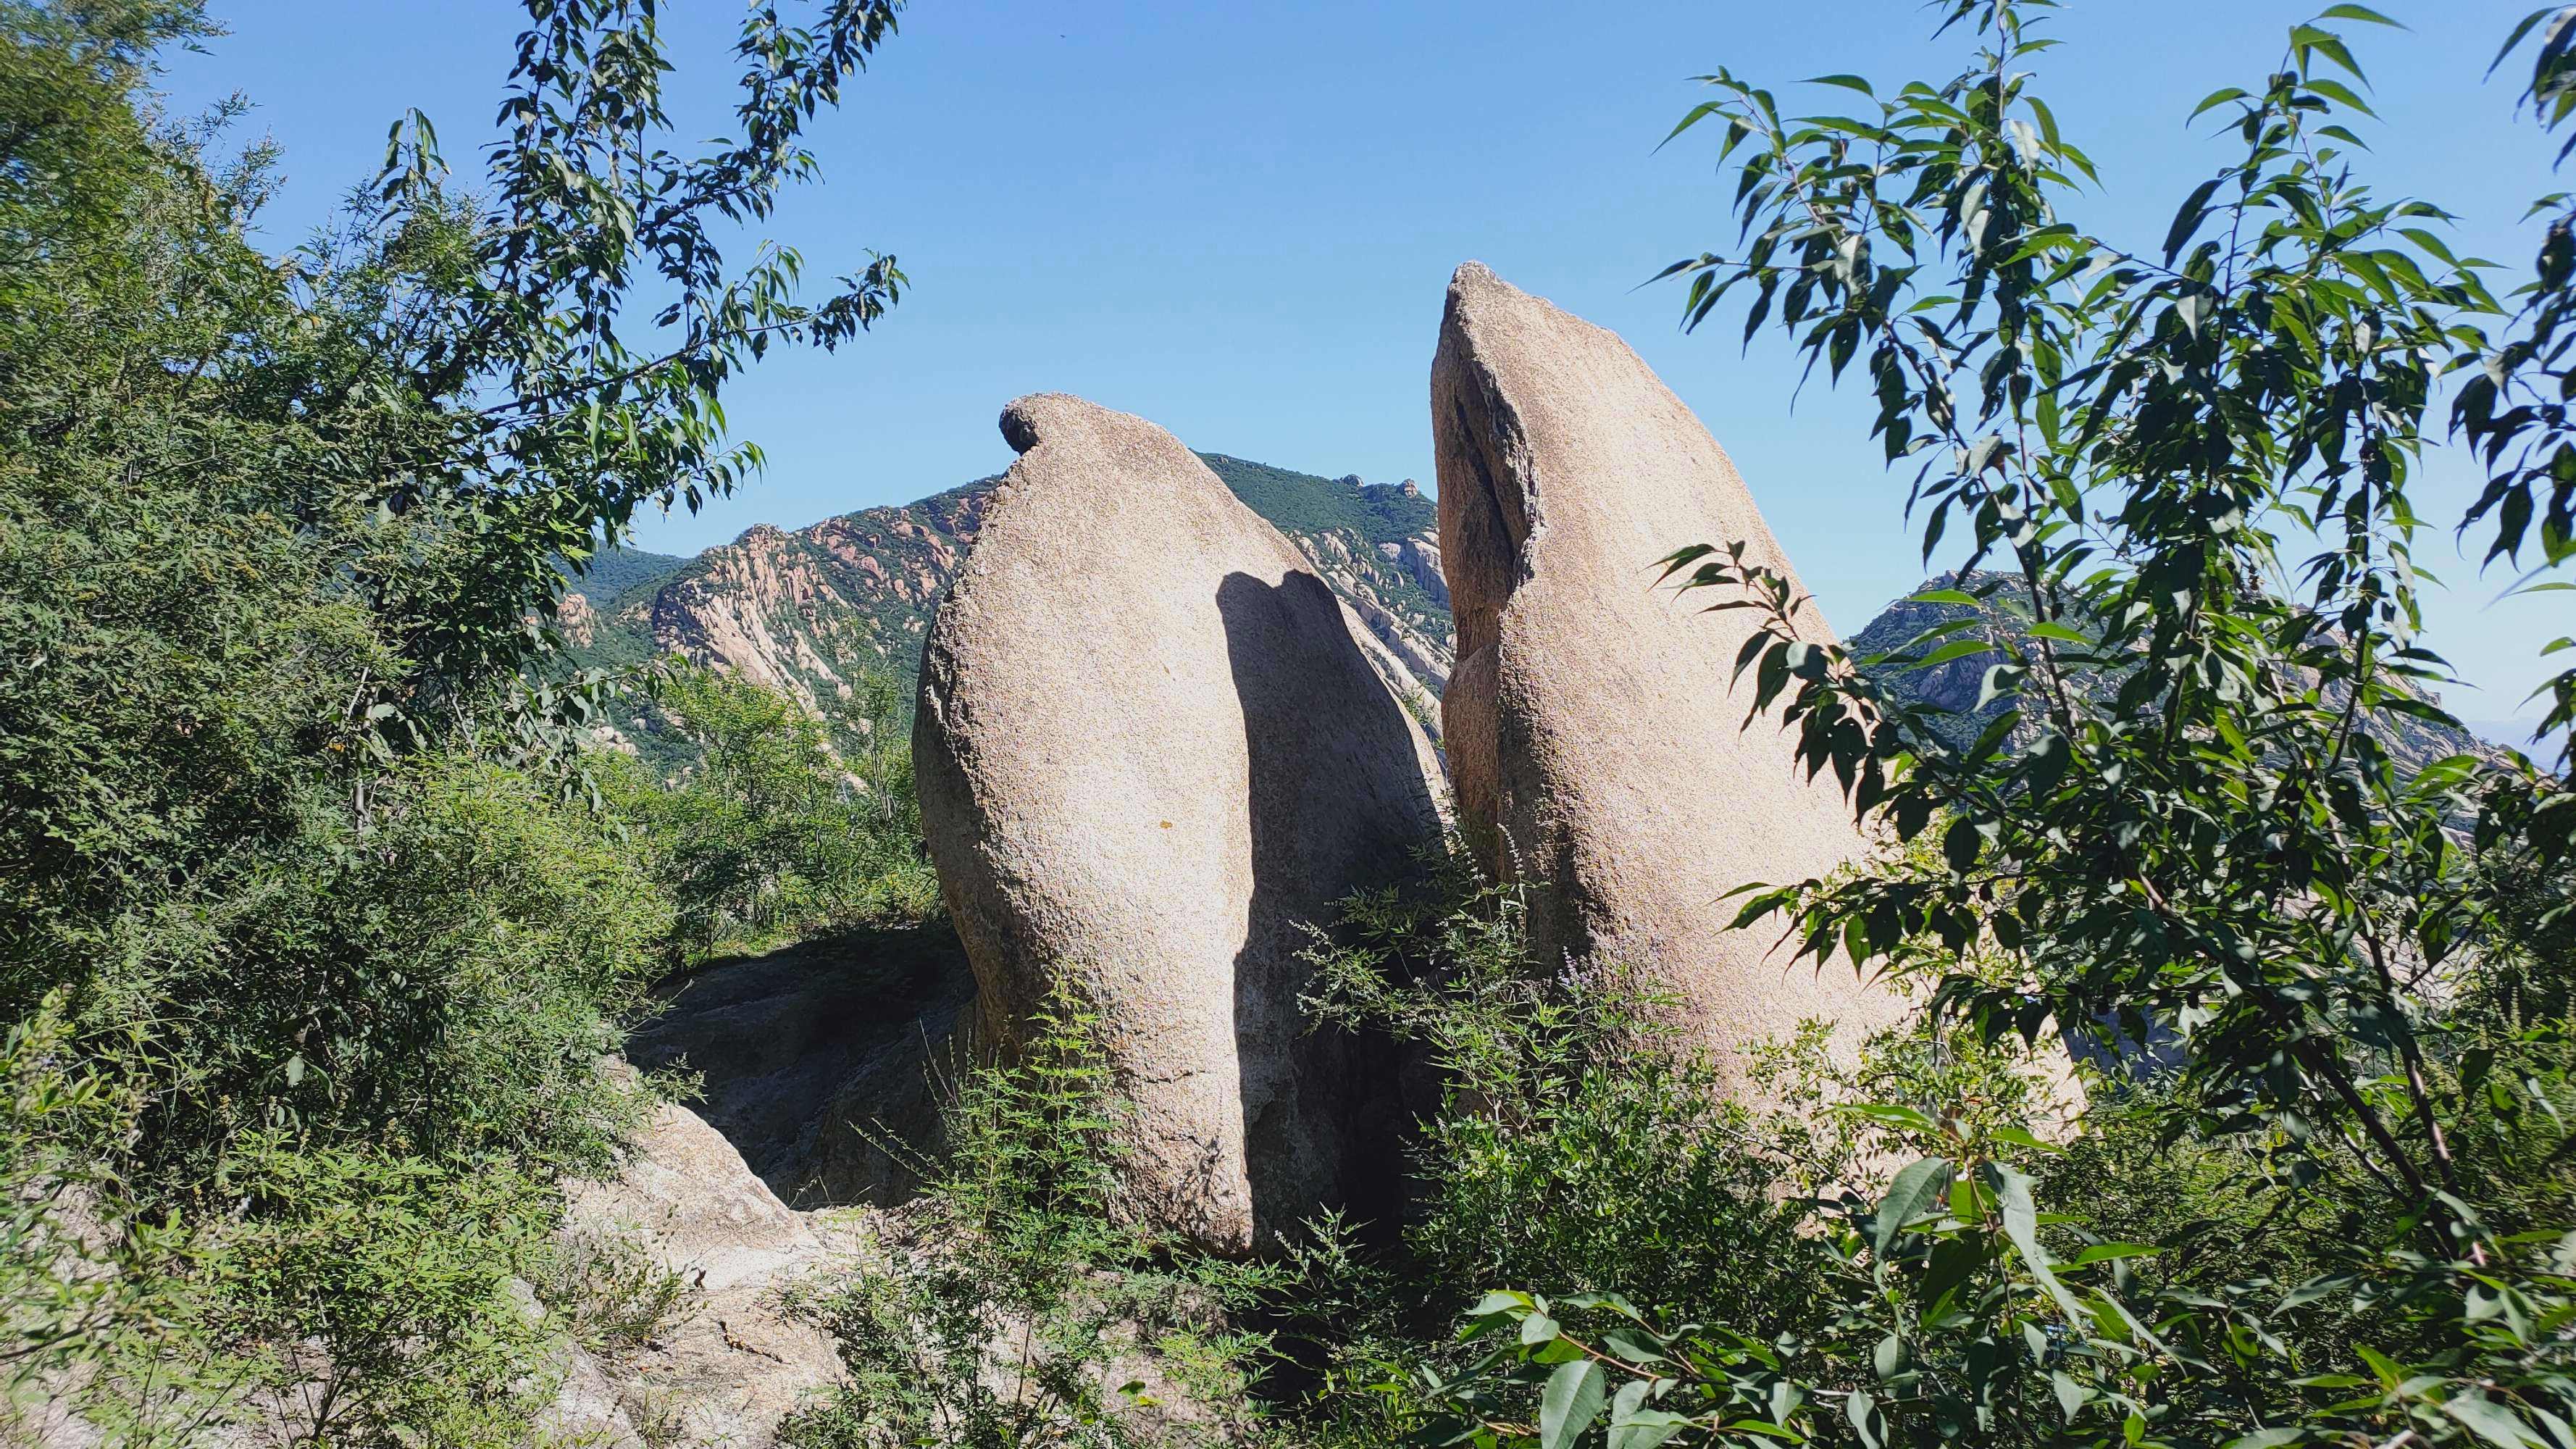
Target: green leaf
x=2491, y=1421
x=1847, y=82
x=1890, y=1359
x=1889, y=1114
x=2343, y=95
x=1866, y=1421
x=1960, y=844
x=2430, y=243
x=2519, y=31
x=1651, y=1427
x=1697, y=114
x=1955, y=649
x=1917, y=1188
x=1634, y=1426
x=2194, y=308
x=2218, y=98
x=2106, y=1252
x=2305, y=38
x=2070, y=1395
x=2188, y=219
x=1569, y=1404
x=2358, y=12
x=2023, y=1136
x=1630, y=1347
x=2021, y=1225
x=1953, y=1260
x=2059, y=632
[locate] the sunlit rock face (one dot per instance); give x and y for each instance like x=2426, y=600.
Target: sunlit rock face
x=1598, y=743
x=1153, y=747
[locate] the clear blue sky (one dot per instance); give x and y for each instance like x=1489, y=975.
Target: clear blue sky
x=1237, y=219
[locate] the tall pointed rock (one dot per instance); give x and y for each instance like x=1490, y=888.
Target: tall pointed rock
x=1152, y=748
x=1597, y=745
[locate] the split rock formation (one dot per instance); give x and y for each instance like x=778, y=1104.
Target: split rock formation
x=1152, y=748
x=1597, y=741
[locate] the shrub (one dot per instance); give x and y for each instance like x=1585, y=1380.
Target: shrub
x=441, y=981
x=372, y=1297
x=1015, y=1301
x=86, y=1287
x=785, y=823
x=606, y=1290
x=1575, y=1142
x=1580, y=1147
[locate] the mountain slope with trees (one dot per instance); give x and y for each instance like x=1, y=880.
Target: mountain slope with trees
x=1957, y=608
x=816, y=611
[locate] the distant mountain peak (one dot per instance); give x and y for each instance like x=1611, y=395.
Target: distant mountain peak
x=805, y=610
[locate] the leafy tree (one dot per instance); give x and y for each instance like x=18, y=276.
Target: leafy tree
x=369, y=1296
x=2192, y=459
x=514, y=318
x=1575, y=1143
x=313, y=955
x=1019, y=1290
x=785, y=821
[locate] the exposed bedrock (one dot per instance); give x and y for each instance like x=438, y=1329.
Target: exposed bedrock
x=1152, y=749
x=1597, y=743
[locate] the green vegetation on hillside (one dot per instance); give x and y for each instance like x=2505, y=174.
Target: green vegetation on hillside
x=780, y=824
x=1304, y=503
x=857, y=606
x=1957, y=608
x=612, y=574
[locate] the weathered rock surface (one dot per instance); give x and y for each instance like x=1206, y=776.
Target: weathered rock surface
x=807, y=611
x=731, y=1362
x=1420, y=556
x=1150, y=751
x=822, y=1062
x=1594, y=737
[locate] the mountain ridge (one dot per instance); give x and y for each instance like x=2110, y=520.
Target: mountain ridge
x=1955, y=686
x=810, y=610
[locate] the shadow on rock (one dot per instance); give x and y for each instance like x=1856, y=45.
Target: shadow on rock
x=825, y=1064
x=1337, y=800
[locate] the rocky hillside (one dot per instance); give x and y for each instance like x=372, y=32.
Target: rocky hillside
x=1954, y=685
x=807, y=611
